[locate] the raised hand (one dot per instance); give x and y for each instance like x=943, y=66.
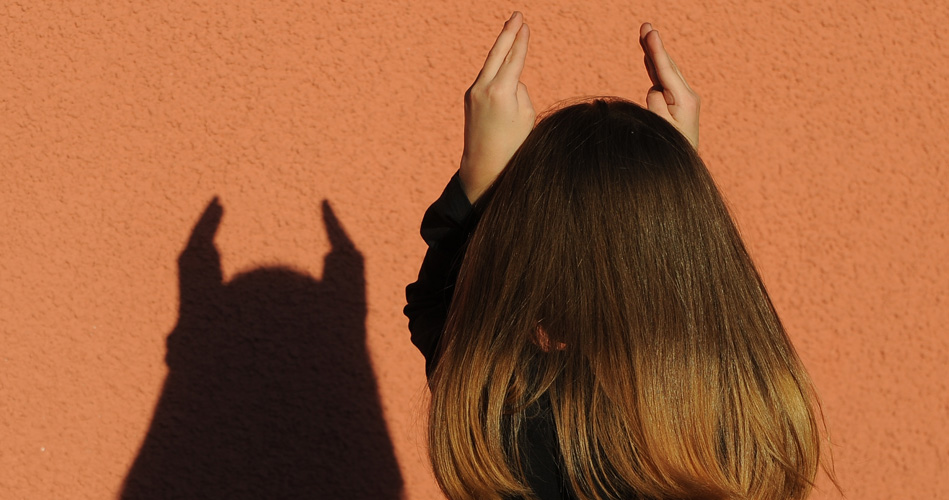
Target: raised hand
x=670, y=96
x=498, y=112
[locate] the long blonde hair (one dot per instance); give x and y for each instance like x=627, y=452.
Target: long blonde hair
x=673, y=376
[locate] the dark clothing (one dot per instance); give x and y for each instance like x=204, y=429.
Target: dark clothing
x=445, y=228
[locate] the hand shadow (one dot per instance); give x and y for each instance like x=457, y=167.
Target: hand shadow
x=270, y=391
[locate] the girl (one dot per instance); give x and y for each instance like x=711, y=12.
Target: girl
x=592, y=324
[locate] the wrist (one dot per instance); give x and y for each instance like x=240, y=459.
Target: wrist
x=469, y=185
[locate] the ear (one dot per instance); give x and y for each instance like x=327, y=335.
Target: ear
x=339, y=240
x=199, y=265
x=542, y=340
x=204, y=230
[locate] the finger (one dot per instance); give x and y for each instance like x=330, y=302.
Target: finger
x=656, y=102
x=203, y=233
x=501, y=48
x=676, y=67
x=644, y=29
x=339, y=240
x=669, y=77
x=651, y=71
x=647, y=60
x=510, y=71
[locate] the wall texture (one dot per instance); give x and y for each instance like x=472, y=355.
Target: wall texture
x=210, y=209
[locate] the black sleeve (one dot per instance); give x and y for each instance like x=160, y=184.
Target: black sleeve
x=445, y=228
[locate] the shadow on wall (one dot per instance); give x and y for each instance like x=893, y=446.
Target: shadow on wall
x=270, y=392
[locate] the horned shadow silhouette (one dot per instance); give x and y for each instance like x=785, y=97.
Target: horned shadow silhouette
x=270, y=391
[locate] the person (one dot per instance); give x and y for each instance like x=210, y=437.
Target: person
x=592, y=324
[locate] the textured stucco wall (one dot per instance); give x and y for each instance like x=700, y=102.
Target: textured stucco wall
x=824, y=124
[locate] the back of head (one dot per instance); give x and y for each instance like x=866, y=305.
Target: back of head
x=607, y=273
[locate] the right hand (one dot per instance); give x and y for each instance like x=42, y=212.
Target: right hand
x=670, y=96
x=498, y=112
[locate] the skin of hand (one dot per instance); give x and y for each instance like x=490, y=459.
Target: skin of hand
x=498, y=112
x=670, y=96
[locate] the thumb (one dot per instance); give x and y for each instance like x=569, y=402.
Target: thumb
x=656, y=103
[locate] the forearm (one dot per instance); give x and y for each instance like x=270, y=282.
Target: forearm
x=445, y=228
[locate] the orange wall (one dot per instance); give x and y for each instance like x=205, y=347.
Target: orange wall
x=824, y=124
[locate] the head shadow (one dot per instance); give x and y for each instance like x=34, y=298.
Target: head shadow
x=270, y=391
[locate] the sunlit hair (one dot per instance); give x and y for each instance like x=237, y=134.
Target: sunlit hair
x=672, y=378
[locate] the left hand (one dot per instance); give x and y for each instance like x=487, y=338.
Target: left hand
x=498, y=112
